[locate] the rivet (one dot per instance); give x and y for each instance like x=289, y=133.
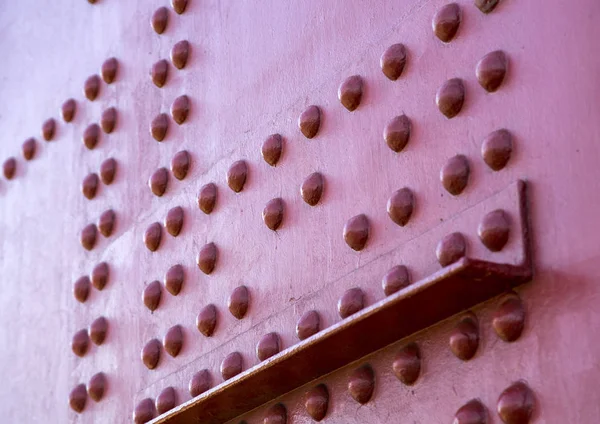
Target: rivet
x=180, y=53
x=395, y=279
x=268, y=345
x=173, y=340
x=236, y=176
x=393, y=61
x=496, y=149
x=317, y=401
x=446, y=21
x=108, y=168
x=238, y=302
x=464, y=338
x=160, y=72
x=81, y=288
x=356, y=232
x=179, y=5
x=472, y=412
x=451, y=248
x=271, y=149
x=80, y=343
x=152, y=236
x=174, y=221
x=98, y=330
x=9, y=168
x=486, y=6
x=109, y=70
x=491, y=70
x=48, y=129
x=151, y=354
x=207, y=258
x=308, y=325
x=92, y=87
x=494, y=230
x=28, y=148
x=144, y=411
x=160, y=19
x=108, y=120
x=174, y=279
x=180, y=164
x=361, y=384
x=97, y=386
x=91, y=135
x=200, y=382
x=207, y=198
x=312, y=188
x=100, y=275
x=516, y=403
x=159, y=126
x=88, y=236
x=166, y=400
x=450, y=97
x=350, y=92
x=455, y=174
x=407, y=364
x=106, y=223
x=273, y=213
x=180, y=109
x=309, y=121
x=158, y=181
x=206, y=320
x=509, y=319
x=68, y=110
x=397, y=133
x=89, y=186
x=152, y=294
x=276, y=414
x=400, y=206
x=231, y=365
x=78, y=398
x=351, y=302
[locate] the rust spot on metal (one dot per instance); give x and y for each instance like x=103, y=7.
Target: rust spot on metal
x=9, y=168
x=276, y=414
x=494, y=230
x=152, y=236
x=159, y=126
x=455, y=174
x=464, y=338
x=179, y=5
x=160, y=72
x=446, y=22
x=516, y=404
x=350, y=92
x=174, y=279
x=271, y=149
x=407, y=364
x=393, y=61
x=351, y=302
x=496, y=149
x=450, y=97
x=395, y=279
x=472, y=412
x=91, y=87
x=108, y=120
x=308, y=325
x=309, y=121
x=173, y=340
x=89, y=186
x=238, y=302
x=232, y=365
x=152, y=294
x=509, y=319
x=268, y=345
x=356, y=232
x=78, y=398
x=317, y=401
x=98, y=329
x=160, y=19
x=200, y=383
x=108, y=168
x=151, y=354
x=207, y=198
x=174, y=221
x=400, y=206
x=206, y=320
x=106, y=222
x=144, y=411
x=109, y=70
x=80, y=343
x=81, y=288
x=158, y=181
x=180, y=109
x=361, y=384
x=48, y=129
x=237, y=175
x=207, y=258
x=486, y=6
x=491, y=70
x=97, y=386
x=180, y=53
x=273, y=213
x=166, y=400
x=397, y=133
x=91, y=136
x=28, y=148
x=88, y=236
x=68, y=109
x=180, y=164
x=451, y=248
x=100, y=275
x=312, y=188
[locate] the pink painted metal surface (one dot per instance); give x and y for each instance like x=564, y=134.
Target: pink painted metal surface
x=249, y=70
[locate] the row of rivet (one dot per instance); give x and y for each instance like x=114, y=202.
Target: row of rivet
x=96, y=333
x=106, y=224
x=89, y=185
x=95, y=389
x=160, y=18
x=99, y=279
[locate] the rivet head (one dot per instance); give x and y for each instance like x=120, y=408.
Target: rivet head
x=407, y=364
x=81, y=288
x=393, y=61
x=159, y=127
x=395, y=280
x=89, y=186
x=237, y=175
x=91, y=87
x=97, y=386
x=400, y=206
x=68, y=109
x=231, y=365
x=158, y=181
x=180, y=53
x=108, y=168
x=446, y=21
x=312, y=188
x=160, y=72
x=317, y=401
x=451, y=248
x=268, y=345
x=98, y=329
x=174, y=221
x=9, y=168
x=160, y=19
x=180, y=109
x=455, y=174
x=491, y=70
x=207, y=198
x=350, y=92
x=496, y=149
x=207, y=258
x=486, y=6
x=100, y=275
x=109, y=70
x=509, y=319
x=308, y=325
x=166, y=400
x=494, y=230
x=144, y=411
x=88, y=236
x=152, y=236
x=174, y=279
x=108, y=120
x=80, y=343
x=356, y=232
x=152, y=294
x=516, y=403
x=273, y=213
x=276, y=414
x=179, y=5
x=106, y=222
x=173, y=340
x=78, y=398
x=472, y=412
x=309, y=121
x=271, y=149
x=464, y=338
x=180, y=164
x=397, y=133
x=151, y=354
x=28, y=148
x=352, y=301
x=90, y=136
x=361, y=384
x=206, y=320
x=238, y=302
x=200, y=383
x=48, y=129
x=450, y=97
